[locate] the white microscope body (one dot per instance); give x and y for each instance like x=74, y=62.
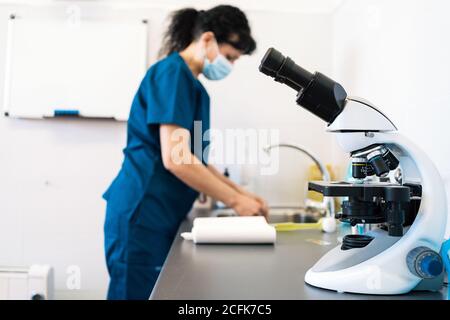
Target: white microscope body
x=381, y=267
x=402, y=253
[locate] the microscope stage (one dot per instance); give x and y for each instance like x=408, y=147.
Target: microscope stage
x=367, y=191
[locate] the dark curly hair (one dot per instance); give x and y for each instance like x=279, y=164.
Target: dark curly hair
x=229, y=25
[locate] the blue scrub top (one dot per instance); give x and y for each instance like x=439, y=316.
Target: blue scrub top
x=144, y=190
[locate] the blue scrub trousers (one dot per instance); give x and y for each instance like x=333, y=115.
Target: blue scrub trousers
x=134, y=256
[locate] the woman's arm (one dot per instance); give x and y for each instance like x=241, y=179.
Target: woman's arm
x=238, y=188
x=179, y=160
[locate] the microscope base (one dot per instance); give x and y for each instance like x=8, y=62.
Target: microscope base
x=380, y=268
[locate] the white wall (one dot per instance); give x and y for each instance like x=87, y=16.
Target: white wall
x=396, y=54
x=54, y=171
x=53, y=174
x=249, y=99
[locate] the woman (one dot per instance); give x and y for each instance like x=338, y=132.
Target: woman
x=154, y=190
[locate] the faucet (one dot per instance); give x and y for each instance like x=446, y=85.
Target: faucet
x=322, y=168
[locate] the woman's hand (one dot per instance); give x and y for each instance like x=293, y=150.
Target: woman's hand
x=264, y=205
x=246, y=198
x=261, y=201
x=247, y=206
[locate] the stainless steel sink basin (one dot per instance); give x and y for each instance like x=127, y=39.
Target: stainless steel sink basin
x=282, y=214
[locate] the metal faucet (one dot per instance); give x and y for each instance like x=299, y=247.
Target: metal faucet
x=322, y=168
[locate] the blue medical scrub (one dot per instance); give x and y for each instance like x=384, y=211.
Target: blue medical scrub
x=145, y=202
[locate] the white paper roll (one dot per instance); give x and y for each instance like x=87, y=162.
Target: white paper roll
x=235, y=221
x=231, y=230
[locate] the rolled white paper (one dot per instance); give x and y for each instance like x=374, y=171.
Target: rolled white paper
x=231, y=230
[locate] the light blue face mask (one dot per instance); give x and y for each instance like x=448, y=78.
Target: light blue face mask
x=218, y=69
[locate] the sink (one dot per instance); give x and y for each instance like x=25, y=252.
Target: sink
x=282, y=214
x=298, y=215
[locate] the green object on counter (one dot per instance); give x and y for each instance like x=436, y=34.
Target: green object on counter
x=293, y=226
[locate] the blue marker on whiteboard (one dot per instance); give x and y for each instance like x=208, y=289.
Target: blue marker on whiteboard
x=66, y=113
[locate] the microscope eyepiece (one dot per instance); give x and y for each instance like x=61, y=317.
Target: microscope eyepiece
x=271, y=62
x=284, y=70
x=316, y=92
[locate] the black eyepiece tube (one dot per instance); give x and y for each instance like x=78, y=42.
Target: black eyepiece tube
x=284, y=70
x=316, y=92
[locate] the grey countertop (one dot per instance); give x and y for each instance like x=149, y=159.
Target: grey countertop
x=252, y=271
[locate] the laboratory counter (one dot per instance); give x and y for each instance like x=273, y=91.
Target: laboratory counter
x=272, y=272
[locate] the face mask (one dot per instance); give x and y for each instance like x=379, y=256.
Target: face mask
x=218, y=69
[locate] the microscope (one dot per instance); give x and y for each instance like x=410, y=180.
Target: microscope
x=395, y=186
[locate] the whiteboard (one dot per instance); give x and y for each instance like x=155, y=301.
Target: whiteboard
x=87, y=69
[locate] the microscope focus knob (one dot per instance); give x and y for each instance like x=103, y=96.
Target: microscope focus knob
x=424, y=262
